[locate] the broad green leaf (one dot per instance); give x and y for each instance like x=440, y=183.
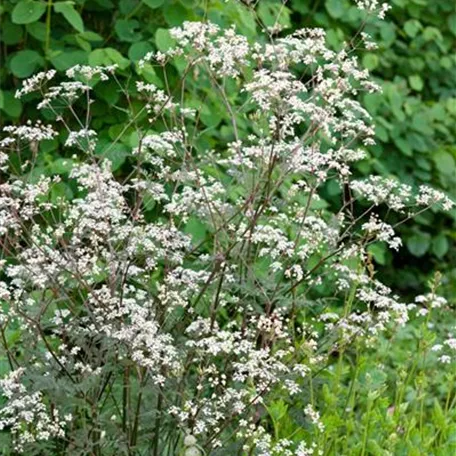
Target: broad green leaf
x=189, y=3
x=11, y=33
x=62, y=60
x=379, y=252
x=163, y=39
x=126, y=30
x=370, y=61
x=417, y=142
x=388, y=33
x=412, y=27
x=108, y=56
x=11, y=105
x=273, y=14
x=335, y=8
x=445, y=162
x=440, y=245
x=91, y=36
x=116, y=154
x=432, y=34
x=153, y=3
x=37, y=30
x=28, y=11
x=60, y=190
x=24, y=63
x=373, y=101
x=416, y=83
x=196, y=229
x=174, y=14
x=452, y=23
x=381, y=133
x=419, y=244
x=147, y=71
x=127, y=6
x=403, y=146
x=138, y=50
x=421, y=123
x=70, y=14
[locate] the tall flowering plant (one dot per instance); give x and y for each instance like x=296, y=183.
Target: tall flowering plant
x=159, y=311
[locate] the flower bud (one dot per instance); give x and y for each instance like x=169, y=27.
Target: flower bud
x=189, y=440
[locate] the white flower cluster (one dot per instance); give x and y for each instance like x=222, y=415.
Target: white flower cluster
x=26, y=415
x=446, y=350
x=373, y=6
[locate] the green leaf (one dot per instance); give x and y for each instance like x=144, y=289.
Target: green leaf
x=163, y=39
x=378, y=251
x=2, y=100
x=70, y=14
x=60, y=190
x=420, y=123
x=403, y=146
x=388, y=33
x=11, y=105
x=373, y=101
x=412, y=27
x=335, y=8
x=432, y=34
x=419, y=244
x=27, y=11
x=24, y=63
x=147, y=71
x=196, y=229
x=444, y=162
x=370, y=61
x=417, y=142
x=381, y=133
x=138, y=50
x=108, y=56
x=416, y=83
x=11, y=33
x=440, y=245
x=153, y=3
x=439, y=416
x=61, y=166
x=127, y=6
x=272, y=14
x=396, y=101
x=62, y=60
x=174, y=14
x=452, y=23
x=37, y=30
x=91, y=36
x=189, y=3
x=116, y=154
x=125, y=30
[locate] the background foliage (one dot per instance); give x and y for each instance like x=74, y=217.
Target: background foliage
x=415, y=116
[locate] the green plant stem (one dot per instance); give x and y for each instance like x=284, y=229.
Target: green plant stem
x=48, y=26
x=366, y=430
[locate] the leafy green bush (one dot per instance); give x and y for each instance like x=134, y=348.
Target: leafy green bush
x=415, y=117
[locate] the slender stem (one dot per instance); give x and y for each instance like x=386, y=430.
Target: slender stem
x=48, y=26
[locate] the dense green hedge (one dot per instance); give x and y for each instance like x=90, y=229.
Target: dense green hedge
x=415, y=116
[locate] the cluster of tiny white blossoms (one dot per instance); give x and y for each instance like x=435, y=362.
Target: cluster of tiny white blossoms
x=446, y=351
x=374, y=7
x=190, y=275
x=26, y=415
